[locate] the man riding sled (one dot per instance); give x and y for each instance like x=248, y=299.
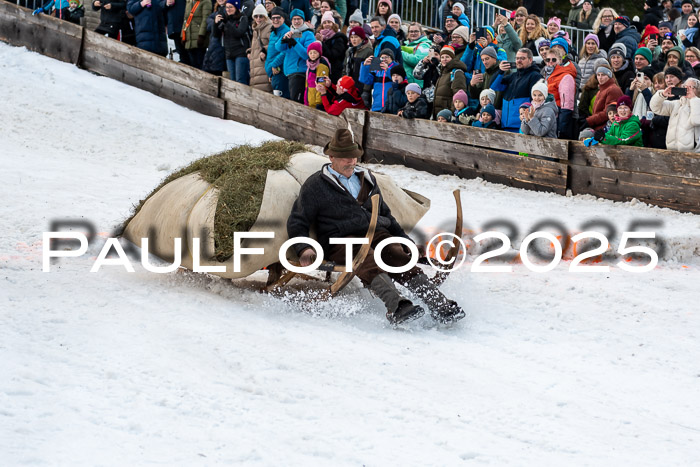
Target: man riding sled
x=336, y=201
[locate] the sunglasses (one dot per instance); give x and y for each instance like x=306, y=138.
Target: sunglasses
x=276, y=18
x=550, y=60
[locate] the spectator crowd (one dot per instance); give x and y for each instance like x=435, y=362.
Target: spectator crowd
x=632, y=82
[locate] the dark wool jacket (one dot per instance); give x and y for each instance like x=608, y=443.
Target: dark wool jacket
x=110, y=20
x=235, y=31
x=324, y=203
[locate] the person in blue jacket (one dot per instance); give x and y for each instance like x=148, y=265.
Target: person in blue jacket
x=379, y=80
x=275, y=56
x=61, y=9
x=294, y=43
x=290, y=5
x=150, y=26
x=175, y=14
x=516, y=87
x=472, y=55
x=627, y=35
x=385, y=38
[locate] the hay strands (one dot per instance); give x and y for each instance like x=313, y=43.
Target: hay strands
x=345, y=276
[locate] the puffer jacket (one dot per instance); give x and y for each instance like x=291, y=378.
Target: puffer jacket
x=452, y=79
x=544, y=122
x=625, y=133
x=630, y=38
x=396, y=98
x=275, y=54
x=684, y=122
x=260, y=43
x=516, y=89
x=235, y=31
x=380, y=82
x=413, y=52
x=198, y=25
x=150, y=27
x=417, y=109
x=588, y=65
x=295, y=51
x=215, y=58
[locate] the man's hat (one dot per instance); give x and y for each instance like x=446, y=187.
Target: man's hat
x=343, y=145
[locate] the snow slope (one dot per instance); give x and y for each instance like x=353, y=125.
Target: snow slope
x=113, y=368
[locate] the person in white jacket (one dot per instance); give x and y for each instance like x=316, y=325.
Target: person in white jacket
x=684, y=123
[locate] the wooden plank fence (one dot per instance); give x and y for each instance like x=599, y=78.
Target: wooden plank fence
x=658, y=177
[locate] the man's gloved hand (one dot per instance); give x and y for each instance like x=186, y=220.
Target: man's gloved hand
x=599, y=135
x=200, y=41
x=38, y=11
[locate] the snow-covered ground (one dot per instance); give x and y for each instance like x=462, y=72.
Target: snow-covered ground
x=113, y=368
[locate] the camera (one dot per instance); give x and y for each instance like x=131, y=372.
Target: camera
x=678, y=92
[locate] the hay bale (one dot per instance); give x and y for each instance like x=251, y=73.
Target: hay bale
x=239, y=175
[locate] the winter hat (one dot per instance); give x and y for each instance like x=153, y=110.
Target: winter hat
x=624, y=20
x=618, y=49
x=555, y=20
x=297, y=12
x=665, y=24
x=358, y=31
x=651, y=3
x=357, y=16
x=587, y=1
x=525, y=105
x=236, y=3
x=446, y=114
x=388, y=52
x=669, y=36
x=491, y=35
x=260, y=10
x=592, y=37
x=347, y=82
x=277, y=11
x=648, y=72
x=460, y=6
x=461, y=96
x=624, y=100
x=463, y=32
x=368, y=29
x=398, y=70
x=448, y=50
x=644, y=52
x=611, y=108
x=604, y=70
x=489, y=109
x=327, y=16
x=541, y=42
x=413, y=87
x=489, y=51
x=387, y=2
x=343, y=145
x=395, y=16
x=315, y=45
x=677, y=50
x=540, y=86
x=686, y=1
x=490, y=93
x=560, y=41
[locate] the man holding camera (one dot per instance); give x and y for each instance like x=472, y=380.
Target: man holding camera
x=516, y=87
x=294, y=44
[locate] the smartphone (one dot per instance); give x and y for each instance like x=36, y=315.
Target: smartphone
x=320, y=79
x=376, y=64
x=640, y=76
x=480, y=33
x=654, y=37
x=512, y=65
x=678, y=92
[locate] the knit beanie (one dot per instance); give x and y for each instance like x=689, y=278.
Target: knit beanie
x=277, y=11
x=358, y=31
x=459, y=5
x=491, y=35
x=489, y=109
x=388, y=52
x=297, y=12
x=388, y=2
x=489, y=51
x=540, y=86
x=357, y=16
x=644, y=52
x=674, y=71
x=665, y=24
x=624, y=100
x=448, y=50
x=347, y=82
x=395, y=16
x=327, y=16
x=648, y=72
x=461, y=96
x=398, y=70
x=624, y=20
x=315, y=45
x=490, y=93
x=592, y=37
x=413, y=87
x=260, y=10
x=446, y=114
x=560, y=41
x=554, y=20
x=463, y=32
x=236, y=3
x=604, y=70
x=618, y=49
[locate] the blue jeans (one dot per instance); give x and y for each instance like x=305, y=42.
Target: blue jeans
x=239, y=69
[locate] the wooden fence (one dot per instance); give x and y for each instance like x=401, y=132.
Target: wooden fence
x=664, y=178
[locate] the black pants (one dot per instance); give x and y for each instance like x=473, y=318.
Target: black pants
x=296, y=87
x=196, y=57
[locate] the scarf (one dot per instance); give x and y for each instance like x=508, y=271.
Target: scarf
x=312, y=65
x=619, y=119
x=535, y=105
x=640, y=107
x=327, y=34
x=690, y=33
